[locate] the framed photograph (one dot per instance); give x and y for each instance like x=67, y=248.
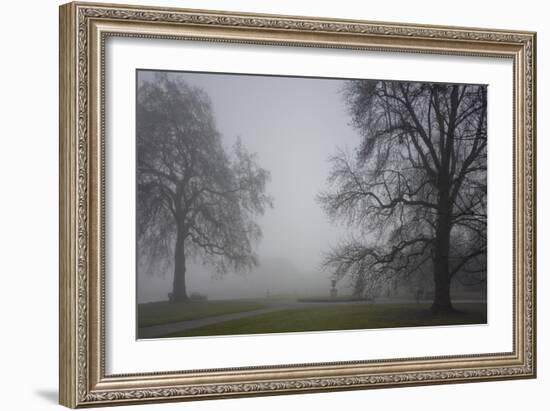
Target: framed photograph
x=259, y=204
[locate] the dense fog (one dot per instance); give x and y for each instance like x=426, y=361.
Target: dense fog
x=293, y=125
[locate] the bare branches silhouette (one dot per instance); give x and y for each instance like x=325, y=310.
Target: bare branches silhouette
x=415, y=188
x=194, y=198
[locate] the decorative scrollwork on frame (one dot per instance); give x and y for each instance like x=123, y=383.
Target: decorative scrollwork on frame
x=309, y=384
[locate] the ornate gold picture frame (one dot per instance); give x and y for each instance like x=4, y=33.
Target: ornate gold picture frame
x=84, y=30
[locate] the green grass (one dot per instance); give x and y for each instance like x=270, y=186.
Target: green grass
x=326, y=299
x=343, y=317
x=164, y=312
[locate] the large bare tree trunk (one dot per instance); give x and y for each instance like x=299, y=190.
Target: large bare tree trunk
x=179, y=291
x=442, y=278
x=442, y=297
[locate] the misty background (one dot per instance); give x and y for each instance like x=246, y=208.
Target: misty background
x=294, y=125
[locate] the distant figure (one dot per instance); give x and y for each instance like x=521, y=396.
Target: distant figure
x=333, y=290
x=418, y=294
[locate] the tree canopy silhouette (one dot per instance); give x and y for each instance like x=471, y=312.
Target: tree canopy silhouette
x=195, y=199
x=415, y=187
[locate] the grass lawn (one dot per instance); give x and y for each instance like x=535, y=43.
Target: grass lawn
x=343, y=317
x=164, y=312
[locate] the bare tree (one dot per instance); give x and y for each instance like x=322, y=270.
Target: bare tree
x=415, y=187
x=194, y=199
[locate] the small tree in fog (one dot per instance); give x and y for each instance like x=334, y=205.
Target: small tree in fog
x=415, y=187
x=194, y=199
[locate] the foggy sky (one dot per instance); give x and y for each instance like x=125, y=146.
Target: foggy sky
x=294, y=125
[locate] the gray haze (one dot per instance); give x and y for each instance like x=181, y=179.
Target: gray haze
x=294, y=125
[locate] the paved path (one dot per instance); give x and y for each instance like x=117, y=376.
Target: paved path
x=156, y=331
